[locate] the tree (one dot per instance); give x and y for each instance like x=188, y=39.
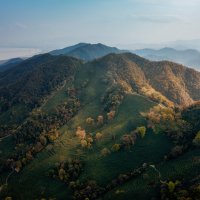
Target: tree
x=196, y=140
x=61, y=173
x=111, y=115
x=172, y=185
x=80, y=133
x=38, y=147
x=127, y=140
x=29, y=156
x=176, y=151
x=100, y=120
x=90, y=140
x=84, y=143
x=105, y=152
x=141, y=131
x=90, y=121
x=43, y=140
x=8, y=198
x=116, y=147
x=18, y=166
x=98, y=136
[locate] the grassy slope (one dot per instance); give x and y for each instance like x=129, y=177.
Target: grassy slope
x=15, y=114
x=33, y=176
x=183, y=167
x=102, y=169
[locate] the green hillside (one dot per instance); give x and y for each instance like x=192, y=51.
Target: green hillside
x=101, y=169
x=99, y=131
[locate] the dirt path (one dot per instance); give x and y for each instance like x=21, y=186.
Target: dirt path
x=2, y=138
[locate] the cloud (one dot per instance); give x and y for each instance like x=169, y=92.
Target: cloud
x=159, y=2
x=7, y=53
x=157, y=18
x=20, y=25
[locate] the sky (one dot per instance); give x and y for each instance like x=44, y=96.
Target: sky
x=51, y=24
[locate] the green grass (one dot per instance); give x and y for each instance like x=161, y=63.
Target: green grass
x=33, y=176
x=14, y=115
x=181, y=168
x=104, y=169
x=6, y=147
x=55, y=99
x=150, y=149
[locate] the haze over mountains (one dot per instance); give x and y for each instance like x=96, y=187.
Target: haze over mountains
x=83, y=51
x=189, y=57
x=88, y=52
x=8, y=64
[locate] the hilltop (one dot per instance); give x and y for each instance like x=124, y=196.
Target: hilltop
x=86, y=51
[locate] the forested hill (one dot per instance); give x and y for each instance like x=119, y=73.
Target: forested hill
x=27, y=85
x=30, y=82
x=86, y=51
x=177, y=83
x=8, y=64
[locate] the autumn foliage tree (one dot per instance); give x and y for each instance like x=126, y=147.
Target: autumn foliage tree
x=80, y=133
x=100, y=120
x=90, y=121
x=111, y=115
x=98, y=136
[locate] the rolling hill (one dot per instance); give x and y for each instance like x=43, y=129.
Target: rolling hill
x=33, y=80
x=83, y=130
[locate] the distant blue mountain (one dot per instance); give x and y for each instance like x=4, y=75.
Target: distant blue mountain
x=8, y=64
x=189, y=57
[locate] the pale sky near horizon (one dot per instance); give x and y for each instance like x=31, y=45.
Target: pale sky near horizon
x=50, y=24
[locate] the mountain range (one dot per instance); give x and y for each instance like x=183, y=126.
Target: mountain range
x=189, y=57
x=8, y=64
x=94, y=122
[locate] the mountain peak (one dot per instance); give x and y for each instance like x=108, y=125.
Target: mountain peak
x=86, y=51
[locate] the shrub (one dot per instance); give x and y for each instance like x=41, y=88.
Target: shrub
x=141, y=131
x=196, y=140
x=98, y=136
x=127, y=140
x=80, y=133
x=90, y=121
x=84, y=143
x=100, y=120
x=111, y=115
x=105, y=152
x=116, y=147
